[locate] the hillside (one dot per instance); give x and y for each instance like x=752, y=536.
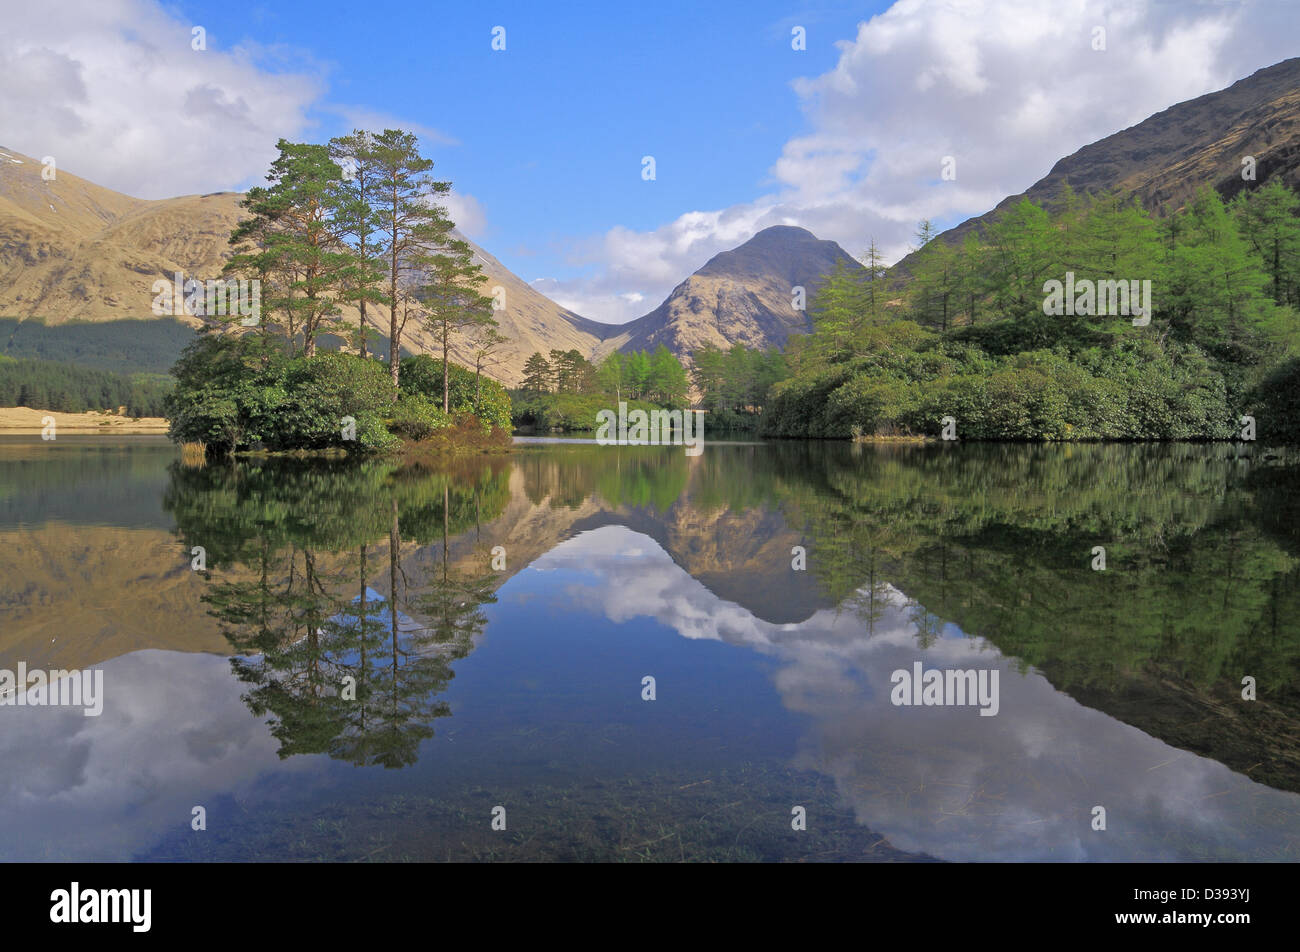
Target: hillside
x=1165, y=158
x=740, y=296
x=72, y=251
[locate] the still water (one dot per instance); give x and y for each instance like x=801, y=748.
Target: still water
x=342, y=661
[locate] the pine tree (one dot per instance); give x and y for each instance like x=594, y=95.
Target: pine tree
x=537, y=374
x=355, y=200
x=413, y=225
x=452, y=301
x=296, y=239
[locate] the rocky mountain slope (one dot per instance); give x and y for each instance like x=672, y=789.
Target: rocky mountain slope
x=743, y=296
x=71, y=250
x=1164, y=159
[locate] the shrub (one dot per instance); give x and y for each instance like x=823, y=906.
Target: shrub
x=467, y=393
x=417, y=417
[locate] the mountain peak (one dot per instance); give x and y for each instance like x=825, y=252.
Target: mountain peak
x=786, y=251
x=743, y=296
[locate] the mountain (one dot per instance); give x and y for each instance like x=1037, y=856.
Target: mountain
x=1165, y=158
x=740, y=296
x=71, y=250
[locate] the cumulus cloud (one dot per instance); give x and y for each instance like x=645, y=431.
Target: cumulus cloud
x=1006, y=88
x=467, y=212
x=115, y=92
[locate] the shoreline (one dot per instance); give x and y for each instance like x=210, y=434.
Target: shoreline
x=21, y=421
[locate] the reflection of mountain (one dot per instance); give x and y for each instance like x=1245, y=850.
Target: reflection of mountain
x=1202, y=587
x=944, y=780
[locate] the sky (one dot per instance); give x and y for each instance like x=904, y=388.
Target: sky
x=544, y=141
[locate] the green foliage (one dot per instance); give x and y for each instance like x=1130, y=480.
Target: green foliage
x=537, y=375
x=241, y=392
x=1222, y=281
x=69, y=388
x=569, y=412
x=322, y=391
x=416, y=417
x=736, y=383
x=1275, y=404
x=468, y=393
x=565, y=392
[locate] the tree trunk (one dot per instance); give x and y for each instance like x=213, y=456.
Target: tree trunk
x=362, y=342
x=446, y=373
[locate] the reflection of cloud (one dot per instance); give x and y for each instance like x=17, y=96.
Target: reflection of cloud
x=173, y=731
x=946, y=781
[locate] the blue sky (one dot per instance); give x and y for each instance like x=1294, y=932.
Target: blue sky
x=543, y=142
x=549, y=134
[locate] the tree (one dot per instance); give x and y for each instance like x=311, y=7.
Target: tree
x=836, y=310
x=293, y=235
x=612, y=375
x=537, y=374
x=1023, y=254
x=872, y=282
x=355, y=197
x=638, y=372
x=484, y=342
x=709, y=373
x=934, y=278
x=667, y=378
x=573, y=373
x=1220, y=286
x=971, y=282
x=452, y=300
x=413, y=225
x=1269, y=221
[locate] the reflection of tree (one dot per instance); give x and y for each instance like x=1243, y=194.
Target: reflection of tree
x=1203, y=573
x=646, y=476
x=336, y=667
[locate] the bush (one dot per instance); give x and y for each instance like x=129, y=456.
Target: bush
x=1275, y=405
x=417, y=417
x=467, y=393
x=322, y=391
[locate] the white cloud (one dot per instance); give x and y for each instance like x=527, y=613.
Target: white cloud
x=467, y=212
x=113, y=90
x=1007, y=88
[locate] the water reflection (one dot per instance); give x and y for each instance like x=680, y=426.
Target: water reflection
x=348, y=598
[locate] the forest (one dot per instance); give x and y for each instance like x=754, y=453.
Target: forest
x=967, y=330
x=565, y=391
x=70, y=388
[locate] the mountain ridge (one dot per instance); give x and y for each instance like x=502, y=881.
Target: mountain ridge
x=1164, y=158
x=71, y=250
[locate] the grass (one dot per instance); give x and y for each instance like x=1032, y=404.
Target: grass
x=194, y=454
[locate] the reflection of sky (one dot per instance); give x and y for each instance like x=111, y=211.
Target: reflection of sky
x=1021, y=785
x=944, y=781
x=173, y=731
